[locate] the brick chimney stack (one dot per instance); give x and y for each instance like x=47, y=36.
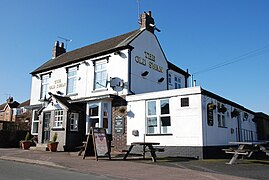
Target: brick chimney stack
x=58, y=49
x=147, y=22
x=10, y=100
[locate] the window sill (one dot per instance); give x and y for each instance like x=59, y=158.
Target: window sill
x=99, y=90
x=71, y=94
x=222, y=127
x=57, y=129
x=159, y=134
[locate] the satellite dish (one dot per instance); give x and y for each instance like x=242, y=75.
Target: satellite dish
x=116, y=84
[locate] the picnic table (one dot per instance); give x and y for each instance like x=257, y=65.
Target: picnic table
x=246, y=149
x=151, y=149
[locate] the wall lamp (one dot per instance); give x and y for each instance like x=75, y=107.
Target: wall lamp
x=145, y=73
x=160, y=80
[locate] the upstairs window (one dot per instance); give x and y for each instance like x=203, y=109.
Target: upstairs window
x=44, y=86
x=177, y=82
x=100, y=74
x=170, y=79
x=71, y=80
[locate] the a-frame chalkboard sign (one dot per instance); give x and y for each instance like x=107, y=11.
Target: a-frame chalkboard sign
x=100, y=143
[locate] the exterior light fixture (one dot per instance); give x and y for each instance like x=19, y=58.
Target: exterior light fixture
x=145, y=73
x=160, y=80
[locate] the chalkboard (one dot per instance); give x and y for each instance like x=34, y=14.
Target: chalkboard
x=100, y=143
x=119, y=125
x=210, y=119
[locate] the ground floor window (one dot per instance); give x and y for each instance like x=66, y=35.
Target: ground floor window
x=99, y=115
x=74, y=122
x=58, y=119
x=158, y=117
x=35, y=122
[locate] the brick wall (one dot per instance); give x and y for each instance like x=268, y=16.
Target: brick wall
x=119, y=140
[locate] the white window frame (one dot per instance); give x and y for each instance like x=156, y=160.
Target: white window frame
x=44, y=86
x=169, y=78
x=159, y=129
x=100, y=74
x=74, y=117
x=71, y=89
x=58, y=119
x=35, y=120
x=104, y=112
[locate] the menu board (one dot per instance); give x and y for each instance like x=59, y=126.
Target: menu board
x=119, y=125
x=210, y=119
x=100, y=142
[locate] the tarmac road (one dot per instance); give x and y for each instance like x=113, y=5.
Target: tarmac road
x=165, y=168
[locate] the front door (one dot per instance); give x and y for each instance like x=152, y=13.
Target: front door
x=46, y=127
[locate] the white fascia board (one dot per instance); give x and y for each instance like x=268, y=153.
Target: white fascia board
x=164, y=94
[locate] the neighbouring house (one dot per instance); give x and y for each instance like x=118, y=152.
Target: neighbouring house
x=15, y=116
x=23, y=116
x=87, y=87
x=7, y=116
x=189, y=122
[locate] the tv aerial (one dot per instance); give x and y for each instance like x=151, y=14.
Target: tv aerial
x=66, y=40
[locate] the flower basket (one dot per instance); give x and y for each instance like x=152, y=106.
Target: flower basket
x=222, y=109
x=211, y=106
x=234, y=113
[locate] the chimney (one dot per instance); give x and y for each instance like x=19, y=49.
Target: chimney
x=58, y=49
x=10, y=100
x=147, y=22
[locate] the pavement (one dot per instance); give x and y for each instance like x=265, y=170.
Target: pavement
x=134, y=168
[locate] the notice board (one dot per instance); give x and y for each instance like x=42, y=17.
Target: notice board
x=100, y=143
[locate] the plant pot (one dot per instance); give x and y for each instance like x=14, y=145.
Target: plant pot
x=53, y=146
x=25, y=145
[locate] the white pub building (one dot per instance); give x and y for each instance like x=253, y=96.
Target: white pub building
x=126, y=85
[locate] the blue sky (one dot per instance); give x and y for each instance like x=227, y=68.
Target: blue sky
x=195, y=35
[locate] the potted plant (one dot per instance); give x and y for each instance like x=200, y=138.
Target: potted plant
x=26, y=143
x=234, y=113
x=122, y=110
x=52, y=145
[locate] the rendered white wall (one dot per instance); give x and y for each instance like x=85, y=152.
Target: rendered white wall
x=147, y=42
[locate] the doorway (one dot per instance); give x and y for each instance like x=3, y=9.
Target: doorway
x=46, y=127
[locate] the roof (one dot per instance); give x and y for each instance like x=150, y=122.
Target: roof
x=65, y=101
x=177, y=69
x=90, y=51
x=13, y=104
x=226, y=101
x=2, y=106
x=25, y=103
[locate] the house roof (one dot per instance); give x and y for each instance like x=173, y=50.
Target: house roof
x=13, y=104
x=25, y=103
x=226, y=101
x=65, y=101
x=90, y=51
x=2, y=106
x=177, y=69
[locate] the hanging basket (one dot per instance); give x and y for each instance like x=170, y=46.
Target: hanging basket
x=222, y=109
x=211, y=106
x=234, y=113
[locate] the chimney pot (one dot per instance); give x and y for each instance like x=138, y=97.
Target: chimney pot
x=147, y=22
x=62, y=45
x=58, y=50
